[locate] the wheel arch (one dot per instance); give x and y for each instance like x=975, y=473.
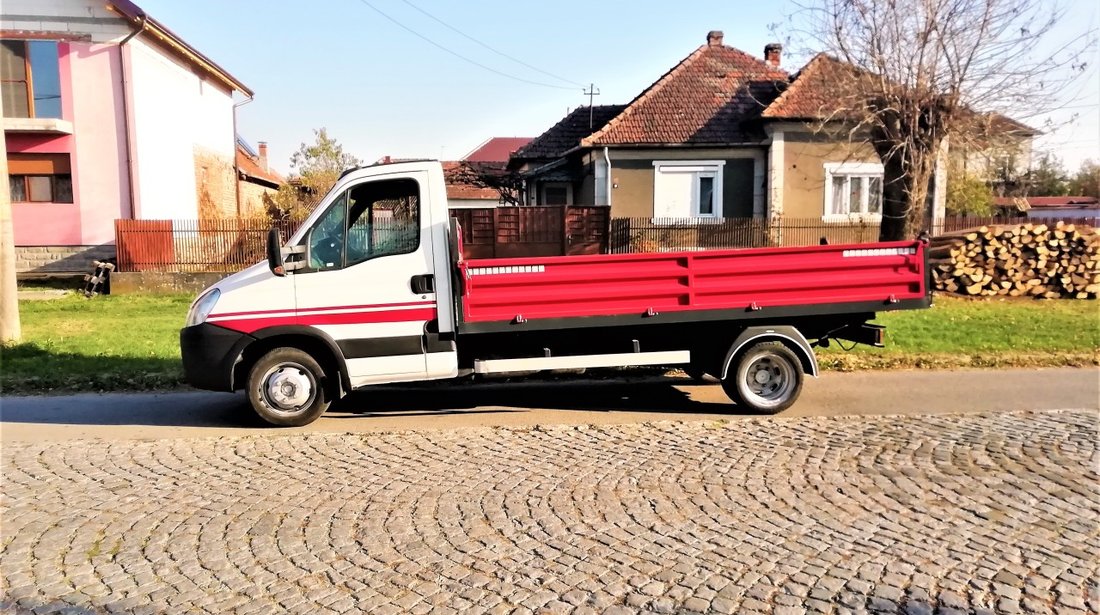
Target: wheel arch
x=787, y=335
x=317, y=343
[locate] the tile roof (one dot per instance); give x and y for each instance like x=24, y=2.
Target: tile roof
x=250, y=167
x=705, y=99
x=812, y=90
x=567, y=134
x=497, y=149
x=818, y=91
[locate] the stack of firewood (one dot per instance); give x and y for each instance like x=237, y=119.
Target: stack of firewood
x=1025, y=260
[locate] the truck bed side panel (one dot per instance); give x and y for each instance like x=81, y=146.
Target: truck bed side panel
x=528, y=289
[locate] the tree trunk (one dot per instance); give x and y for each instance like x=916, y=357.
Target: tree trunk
x=907, y=178
x=10, y=330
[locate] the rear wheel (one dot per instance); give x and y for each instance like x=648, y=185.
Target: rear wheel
x=766, y=378
x=286, y=387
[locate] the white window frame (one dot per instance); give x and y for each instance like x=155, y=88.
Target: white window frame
x=698, y=169
x=568, y=191
x=851, y=169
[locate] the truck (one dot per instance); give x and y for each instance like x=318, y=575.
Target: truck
x=373, y=289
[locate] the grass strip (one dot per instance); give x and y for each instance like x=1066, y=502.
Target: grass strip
x=131, y=342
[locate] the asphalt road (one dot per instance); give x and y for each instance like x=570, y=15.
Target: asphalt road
x=198, y=414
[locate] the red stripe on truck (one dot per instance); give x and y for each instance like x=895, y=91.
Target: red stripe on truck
x=249, y=325
x=323, y=309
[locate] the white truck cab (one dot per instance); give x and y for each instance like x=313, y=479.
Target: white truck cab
x=358, y=291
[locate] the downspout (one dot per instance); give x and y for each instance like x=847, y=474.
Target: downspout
x=124, y=65
x=237, y=167
x=607, y=180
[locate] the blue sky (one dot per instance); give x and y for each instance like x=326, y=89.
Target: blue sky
x=381, y=90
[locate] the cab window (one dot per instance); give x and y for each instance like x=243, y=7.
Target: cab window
x=370, y=220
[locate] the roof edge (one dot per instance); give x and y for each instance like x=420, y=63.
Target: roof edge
x=135, y=15
x=591, y=139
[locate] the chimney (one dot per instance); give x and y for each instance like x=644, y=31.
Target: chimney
x=772, y=53
x=263, y=155
x=714, y=38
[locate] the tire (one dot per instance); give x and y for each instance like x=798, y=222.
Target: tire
x=287, y=388
x=765, y=378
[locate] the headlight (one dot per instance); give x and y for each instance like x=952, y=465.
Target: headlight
x=202, y=307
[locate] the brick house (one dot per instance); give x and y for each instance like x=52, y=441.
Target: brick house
x=108, y=114
x=255, y=179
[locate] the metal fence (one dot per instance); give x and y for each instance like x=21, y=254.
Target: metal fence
x=675, y=234
x=958, y=223
x=231, y=245
x=212, y=245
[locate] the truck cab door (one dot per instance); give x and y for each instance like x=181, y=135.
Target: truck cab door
x=368, y=279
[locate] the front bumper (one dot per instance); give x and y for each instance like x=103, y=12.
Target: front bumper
x=209, y=354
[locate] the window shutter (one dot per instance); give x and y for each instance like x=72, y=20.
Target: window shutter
x=39, y=164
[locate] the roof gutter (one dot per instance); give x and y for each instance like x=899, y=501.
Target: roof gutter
x=607, y=159
x=237, y=167
x=124, y=65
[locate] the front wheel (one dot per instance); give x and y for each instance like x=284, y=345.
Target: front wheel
x=286, y=388
x=765, y=378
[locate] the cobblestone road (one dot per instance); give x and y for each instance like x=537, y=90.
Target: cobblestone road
x=993, y=513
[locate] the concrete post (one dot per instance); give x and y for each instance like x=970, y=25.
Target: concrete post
x=10, y=331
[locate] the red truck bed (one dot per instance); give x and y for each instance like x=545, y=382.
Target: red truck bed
x=706, y=284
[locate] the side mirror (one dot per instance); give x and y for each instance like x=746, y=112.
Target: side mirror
x=274, y=252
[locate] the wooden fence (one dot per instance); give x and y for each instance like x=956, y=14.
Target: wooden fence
x=505, y=232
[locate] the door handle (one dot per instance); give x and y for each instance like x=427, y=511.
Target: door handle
x=423, y=284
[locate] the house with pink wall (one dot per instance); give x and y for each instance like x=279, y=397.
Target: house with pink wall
x=108, y=114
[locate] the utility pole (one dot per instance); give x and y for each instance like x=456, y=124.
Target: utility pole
x=590, y=92
x=10, y=331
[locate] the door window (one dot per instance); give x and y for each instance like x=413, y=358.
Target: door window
x=371, y=220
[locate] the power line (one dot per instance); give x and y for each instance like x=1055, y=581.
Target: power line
x=485, y=45
x=458, y=55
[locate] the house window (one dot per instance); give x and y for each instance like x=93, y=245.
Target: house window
x=853, y=190
x=557, y=193
x=41, y=188
x=40, y=178
x=30, y=81
x=687, y=189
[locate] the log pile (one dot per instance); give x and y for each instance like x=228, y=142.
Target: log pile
x=1023, y=260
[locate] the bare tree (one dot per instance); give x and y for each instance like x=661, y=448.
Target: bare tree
x=487, y=175
x=910, y=75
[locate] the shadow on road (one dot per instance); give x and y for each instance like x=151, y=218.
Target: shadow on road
x=203, y=409
x=648, y=395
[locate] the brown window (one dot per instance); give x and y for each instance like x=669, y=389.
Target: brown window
x=40, y=178
x=30, y=81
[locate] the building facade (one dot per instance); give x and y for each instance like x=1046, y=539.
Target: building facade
x=107, y=114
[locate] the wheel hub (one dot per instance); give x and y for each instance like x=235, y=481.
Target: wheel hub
x=768, y=379
x=288, y=387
